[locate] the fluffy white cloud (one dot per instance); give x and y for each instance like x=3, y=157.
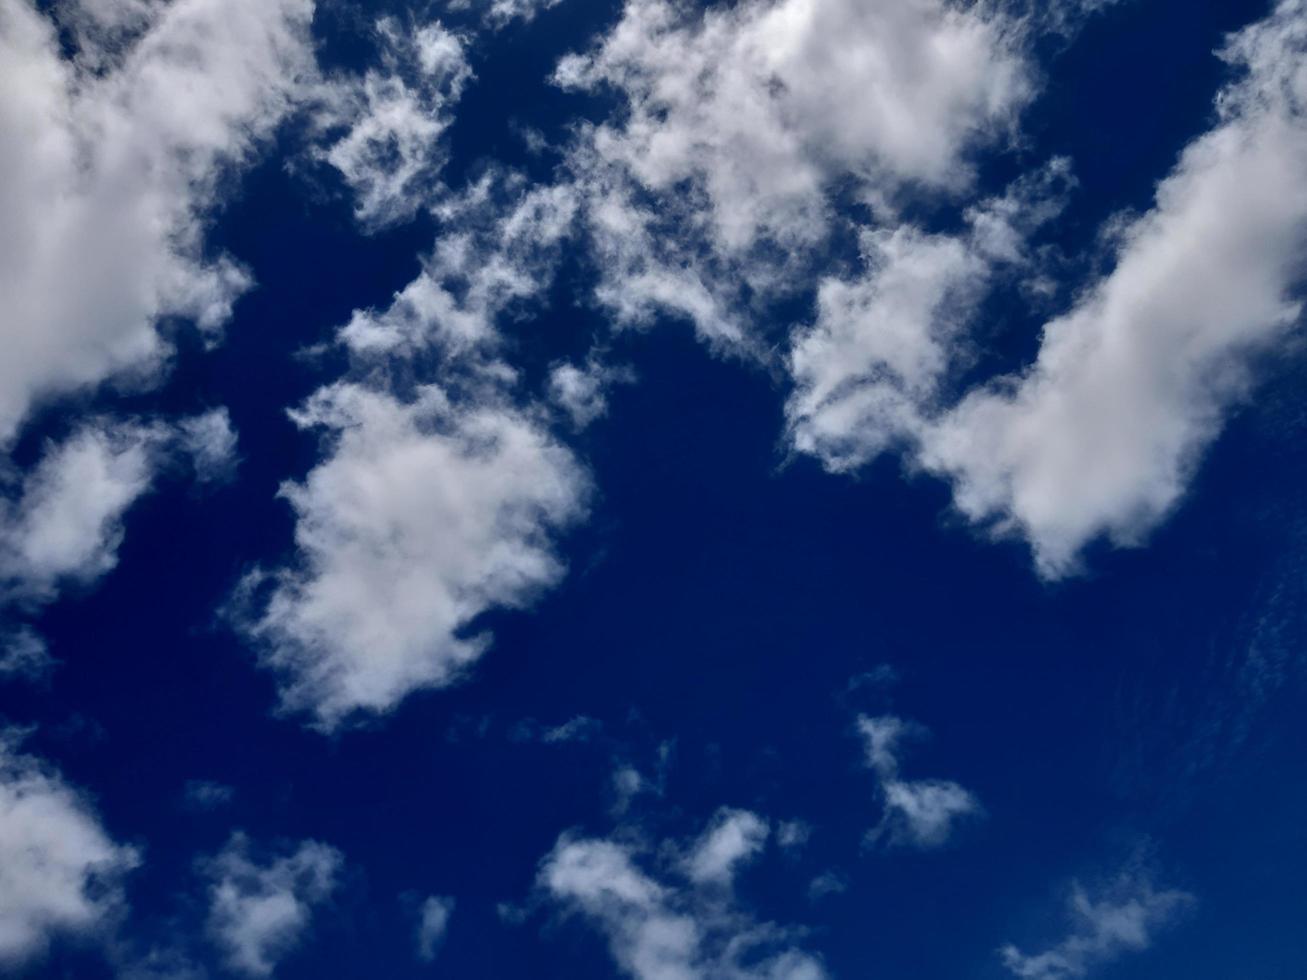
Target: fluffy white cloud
x=733, y=837
x=425, y=513
x=582, y=391
x=390, y=151
x=66, y=524
x=712, y=191
x=259, y=912
x=433, y=923
x=1121, y=920
x=59, y=870
x=1102, y=433
x=108, y=169
x=918, y=812
x=867, y=373
x=763, y=103
x=674, y=929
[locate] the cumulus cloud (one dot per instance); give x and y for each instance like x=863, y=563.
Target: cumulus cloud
x=109, y=166
x=917, y=812
x=867, y=374
x=673, y=928
x=715, y=183
x=1100, y=436
x=66, y=523
x=425, y=514
x=60, y=873
x=433, y=923
x=763, y=103
x=387, y=125
x=61, y=522
x=1122, y=919
x=259, y=911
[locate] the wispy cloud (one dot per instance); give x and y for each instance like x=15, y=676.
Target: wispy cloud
x=1121, y=918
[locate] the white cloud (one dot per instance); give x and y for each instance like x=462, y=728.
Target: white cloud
x=867, y=373
x=59, y=871
x=391, y=151
x=713, y=190
x=763, y=103
x=497, y=248
x=210, y=442
x=425, y=514
x=734, y=836
x=917, y=812
x=500, y=13
x=582, y=391
x=672, y=929
x=259, y=912
x=62, y=523
x=1123, y=919
x=433, y=923
x=1100, y=436
x=66, y=524
x=109, y=168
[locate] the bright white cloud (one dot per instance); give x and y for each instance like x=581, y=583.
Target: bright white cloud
x=108, y=171
x=1101, y=435
x=66, y=524
x=61, y=523
x=917, y=812
x=672, y=929
x=425, y=514
x=433, y=923
x=1122, y=919
x=713, y=190
x=259, y=912
x=761, y=104
x=390, y=121
x=59, y=870
x=867, y=374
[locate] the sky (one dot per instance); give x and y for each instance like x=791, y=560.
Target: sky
x=772, y=490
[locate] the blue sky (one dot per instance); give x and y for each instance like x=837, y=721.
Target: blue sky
x=770, y=491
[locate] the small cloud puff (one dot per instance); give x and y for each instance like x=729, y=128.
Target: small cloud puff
x=259, y=912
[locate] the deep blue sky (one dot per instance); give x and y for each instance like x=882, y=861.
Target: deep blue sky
x=720, y=598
